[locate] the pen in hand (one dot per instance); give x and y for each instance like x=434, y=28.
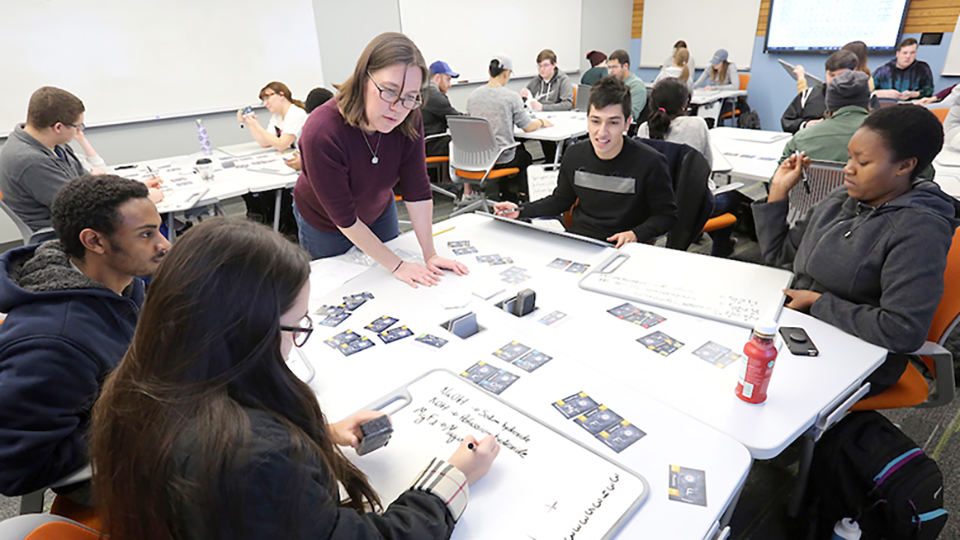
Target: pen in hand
x=803, y=173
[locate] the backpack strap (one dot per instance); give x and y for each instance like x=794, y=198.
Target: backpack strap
x=928, y=516
x=895, y=465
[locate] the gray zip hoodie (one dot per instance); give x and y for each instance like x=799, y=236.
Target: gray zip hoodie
x=555, y=95
x=880, y=270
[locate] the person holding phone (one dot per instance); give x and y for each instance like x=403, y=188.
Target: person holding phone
x=869, y=258
x=203, y=431
x=355, y=149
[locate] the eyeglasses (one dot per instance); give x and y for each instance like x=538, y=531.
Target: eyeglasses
x=392, y=97
x=266, y=97
x=300, y=333
x=78, y=127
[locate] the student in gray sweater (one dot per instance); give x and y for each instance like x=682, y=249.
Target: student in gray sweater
x=37, y=160
x=869, y=259
x=550, y=90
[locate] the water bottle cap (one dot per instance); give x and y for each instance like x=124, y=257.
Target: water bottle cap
x=766, y=328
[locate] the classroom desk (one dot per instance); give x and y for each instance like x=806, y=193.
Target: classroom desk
x=592, y=351
x=672, y=437
x=566, y=125
x=709, y=102
x=947, y=167
x=752, y=154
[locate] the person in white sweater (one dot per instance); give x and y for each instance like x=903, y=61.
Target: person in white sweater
x=679, y=68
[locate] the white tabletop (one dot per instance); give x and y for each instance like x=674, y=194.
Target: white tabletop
x=702, y=97
x=566, y=124
x=672, y=437
x=752, y=154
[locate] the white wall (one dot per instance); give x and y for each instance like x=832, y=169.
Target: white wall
x=343, y=29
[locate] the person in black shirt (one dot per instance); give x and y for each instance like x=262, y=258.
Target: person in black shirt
x=809, y=105
x=622, y=184
x=437, y=107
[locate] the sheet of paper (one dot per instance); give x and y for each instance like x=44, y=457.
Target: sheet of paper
x=328, y=274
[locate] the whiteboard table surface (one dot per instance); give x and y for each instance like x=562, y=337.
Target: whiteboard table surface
x=522, y=489
x=754, y=161
x=566, y=124
x=672, y=438
x=702, y=97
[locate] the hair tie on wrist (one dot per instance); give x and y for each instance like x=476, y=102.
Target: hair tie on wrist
x=399, y=264
x=661, y=109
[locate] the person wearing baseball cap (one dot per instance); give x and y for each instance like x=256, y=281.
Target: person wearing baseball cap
x=503, y=109
x=721, y=75
x=847, y=100
x=437, y=107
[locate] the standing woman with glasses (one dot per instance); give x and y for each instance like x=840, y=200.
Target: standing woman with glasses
x=355, y=148
x=203, y=431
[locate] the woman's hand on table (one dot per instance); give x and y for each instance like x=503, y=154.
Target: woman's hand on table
x=438, y=264
x=413, y=273
x=800, y=300
x=347, y=432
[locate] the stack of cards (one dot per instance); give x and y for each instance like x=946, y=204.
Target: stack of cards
x=552, y=318
x=461, y=247
x=334, y=315
x=660, y=343
x=494, y=260
x=349, y=342
x=489, y=377
x=522, y=356
x=631, y=313
x=514, y=275
x=381, y=327
x=604, y=424
x=717, y=354
x=568, y=265
x=688, y=485
x=431, y=340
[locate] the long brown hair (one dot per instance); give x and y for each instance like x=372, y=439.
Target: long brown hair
x=207, y=345
x=280, y=88
x=387, y=49
x=682, y=56
x=858, y=48
x=717, y=76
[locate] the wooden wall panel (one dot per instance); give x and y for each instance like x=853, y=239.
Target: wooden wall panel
x=637, y=31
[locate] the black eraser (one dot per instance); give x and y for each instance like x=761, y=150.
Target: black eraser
x=525, y=303
x=375, y=434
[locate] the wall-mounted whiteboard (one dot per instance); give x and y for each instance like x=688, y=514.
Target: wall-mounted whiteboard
x=952, y=64
x=467, y=34
x=706, y=25
x=150, y=59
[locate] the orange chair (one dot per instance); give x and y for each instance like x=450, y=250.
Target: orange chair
x=575, y=98
x=720, y=222
x=941, y=113
x=46, y=527
x=744, y=83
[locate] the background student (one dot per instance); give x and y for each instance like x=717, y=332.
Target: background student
x=721, y=75
x=869, y=259
x=37, y=160
x=204, y=432
x=503, y=109
x=904, y=77
x=623, y=186
x=678, y=68
x=598, y=68
x=668, y=121
x=809, y=104
x=860, y=49
x=680, y=44
x=72, y=308
x=356, y=148
x=437, y=108
x=551, y=89
x=619, y=63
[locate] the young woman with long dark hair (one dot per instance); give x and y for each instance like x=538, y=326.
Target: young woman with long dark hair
x=204, y=432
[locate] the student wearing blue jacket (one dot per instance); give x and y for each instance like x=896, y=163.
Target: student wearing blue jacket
x=72, y=307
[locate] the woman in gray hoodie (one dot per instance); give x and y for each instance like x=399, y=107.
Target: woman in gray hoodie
x=869, y=258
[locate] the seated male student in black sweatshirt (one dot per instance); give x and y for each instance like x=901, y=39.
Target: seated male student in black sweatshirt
x=623, y=185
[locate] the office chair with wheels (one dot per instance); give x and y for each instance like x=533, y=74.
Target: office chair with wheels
x=45, y=527
x=735, y=113
x=473, y=157
x=439, y=163
x=912, y=389
x=941, y=113
x=29, y=236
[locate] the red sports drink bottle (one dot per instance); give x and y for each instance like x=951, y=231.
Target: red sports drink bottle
x=757, y=367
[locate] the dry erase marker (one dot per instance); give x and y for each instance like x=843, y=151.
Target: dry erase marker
x=803, y=172
x=471, y=446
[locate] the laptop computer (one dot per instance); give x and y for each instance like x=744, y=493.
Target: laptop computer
x=583, y=98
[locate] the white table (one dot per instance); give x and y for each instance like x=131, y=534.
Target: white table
x=753, y=154
x=672, y=437
x=710, y=102
x=566, y=125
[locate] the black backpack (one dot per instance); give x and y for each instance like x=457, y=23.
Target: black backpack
x=865, y=468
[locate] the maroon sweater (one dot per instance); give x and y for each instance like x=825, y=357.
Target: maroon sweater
x=339, y=184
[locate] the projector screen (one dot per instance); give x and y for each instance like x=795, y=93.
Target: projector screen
x=828, y=25
x=151, y=59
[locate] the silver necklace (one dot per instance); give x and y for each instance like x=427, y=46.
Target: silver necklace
x=373, y=153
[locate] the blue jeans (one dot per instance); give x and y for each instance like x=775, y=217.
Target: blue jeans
x=322, y=244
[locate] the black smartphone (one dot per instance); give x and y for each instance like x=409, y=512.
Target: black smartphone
x=798, y=341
